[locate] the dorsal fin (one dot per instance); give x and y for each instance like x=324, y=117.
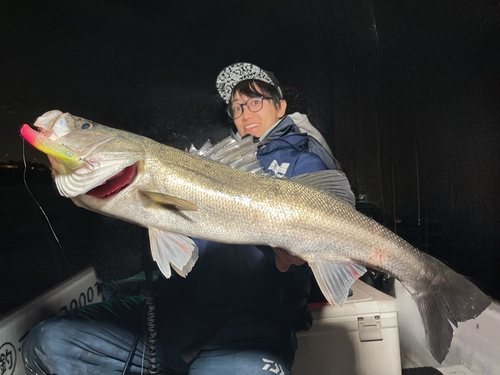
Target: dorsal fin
x=331, y=180
x=242, y=154
x=239, y=154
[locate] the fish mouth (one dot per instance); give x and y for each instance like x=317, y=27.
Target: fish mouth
x=115, y=183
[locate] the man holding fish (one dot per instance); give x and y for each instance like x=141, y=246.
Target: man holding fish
x=239, y=307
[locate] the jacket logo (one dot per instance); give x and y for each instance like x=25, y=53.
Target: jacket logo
x=273, y=367
x=279, y=170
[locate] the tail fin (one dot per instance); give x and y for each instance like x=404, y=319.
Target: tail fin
x=450, y=299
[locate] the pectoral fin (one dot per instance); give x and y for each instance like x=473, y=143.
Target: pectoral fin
x=335, y=279
x=171, y=249
x=169, y=202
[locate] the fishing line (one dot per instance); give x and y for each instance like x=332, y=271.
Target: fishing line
x=143, y=355
x=44, y=214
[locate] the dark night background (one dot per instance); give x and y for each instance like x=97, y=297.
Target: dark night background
x=407, y=93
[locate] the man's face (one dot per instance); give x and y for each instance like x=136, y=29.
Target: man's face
x=257, y=123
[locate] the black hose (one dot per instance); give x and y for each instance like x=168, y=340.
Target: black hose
x=149, y=319
x=152, y=334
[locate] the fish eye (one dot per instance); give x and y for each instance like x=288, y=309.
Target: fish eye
x=86, y=125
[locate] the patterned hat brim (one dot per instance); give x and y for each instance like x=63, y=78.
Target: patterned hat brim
x=235, y=73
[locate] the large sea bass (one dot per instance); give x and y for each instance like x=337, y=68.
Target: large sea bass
x=177, y=195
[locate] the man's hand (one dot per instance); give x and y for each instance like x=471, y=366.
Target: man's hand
x=284, y=259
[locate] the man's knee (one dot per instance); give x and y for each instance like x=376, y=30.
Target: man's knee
x=41, y=344
x=38, y=335
x=231, y=361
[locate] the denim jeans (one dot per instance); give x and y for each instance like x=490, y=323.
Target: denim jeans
x=97, y=339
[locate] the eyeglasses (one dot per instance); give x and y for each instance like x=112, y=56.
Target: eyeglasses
x=253, y=104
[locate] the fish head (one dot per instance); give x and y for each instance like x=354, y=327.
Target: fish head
x=86, y=157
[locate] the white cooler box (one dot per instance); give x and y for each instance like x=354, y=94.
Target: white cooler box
x=359, y=338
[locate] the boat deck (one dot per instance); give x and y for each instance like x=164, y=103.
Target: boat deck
x=369, y=335
x=450, y=370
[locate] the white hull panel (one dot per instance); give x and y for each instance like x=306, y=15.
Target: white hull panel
x=80, y=290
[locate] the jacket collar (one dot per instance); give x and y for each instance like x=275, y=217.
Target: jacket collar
x=282, y=128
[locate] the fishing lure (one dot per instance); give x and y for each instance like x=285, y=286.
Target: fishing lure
x=44, y=144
